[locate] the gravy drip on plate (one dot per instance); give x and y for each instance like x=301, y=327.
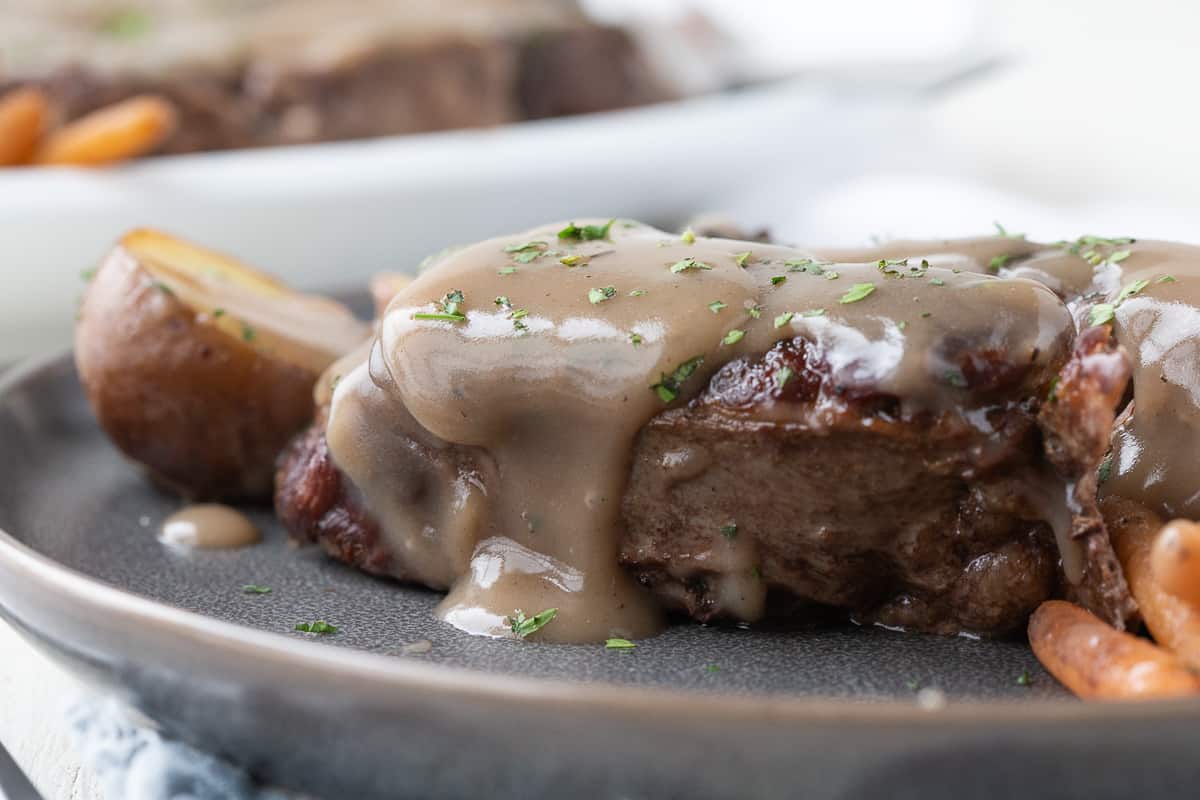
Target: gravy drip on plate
x=559, y=350
x=208, y=526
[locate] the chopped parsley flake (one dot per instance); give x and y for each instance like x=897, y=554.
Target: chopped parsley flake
x=733, y=337
x=901, y=325
x=635, y=339
x=523, y=626
x=1118, y=256
x=782, y=376
x=1166, y=279
x=729, y=531
x=742, y=258
x=813, y=312
x=926, y=314
x=619, y=644
x=521, y=248
x=784, y=319
x=685, y=264
x=637, y=293
x=1101, y=313
x=450, y=305
x=217, y=313
x=1052, y=392
x=586, y=233
x=573, y=260
x=778, y=279
x=715, y=306
x=126, y=23
x=503, y=301
x=997, y=263
x=857, y=292
x=248, y=333
x=711, y=668
x=832, y=276
x=754, y=310
x=320, y=626
x=596, y=296
x=1024, y=679
x=937, y=282
x=689, y=236
x=1104, y=472
x=1001, y=231
x=668, y=386
x=162, y=287
x=518, y=313
x=506, y=270
x=528, y=256
x=807, y=265
x=955, y=378
x=1131, y=289
x=253, y=588
x=439, y=315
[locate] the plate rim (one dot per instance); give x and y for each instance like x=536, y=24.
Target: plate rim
x=180, y=628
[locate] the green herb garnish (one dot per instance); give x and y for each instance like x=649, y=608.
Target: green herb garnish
x=503, y=301
x=126, y=23
x=936, y=282
x=1001, y=231
x=1024, y=679
x=637, y=293
x=813, y=312
x=857, y=292
x=733, y=337
x=596, y=296
x=523, y=626
x=526, y=247
x=784, y=319
x=715, y=306
x=635, y=339
x=742, y=258
x=217, y=313
x=253, y=588
x=320, y=626
x=997, y=263
x=1052, y=392
x=955, y=378
x=1166, y=279
x=782, y=376
x=619, y=644
x=754, y=310
x=506, y=271
x=688, y=237
x=248, y=333
x=572, y=260
x=1131, y=289
x=685, y=264
x=1104, y=471
x=729, y=531
x=450, y=305
x=668, y=386
x=778, y=279
x=711, y=668
x=1101, y=313
x=586, y=233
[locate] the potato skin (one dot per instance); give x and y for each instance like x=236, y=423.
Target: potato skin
x=204, y=412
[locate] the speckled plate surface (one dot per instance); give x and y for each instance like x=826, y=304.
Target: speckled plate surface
x=398, y=705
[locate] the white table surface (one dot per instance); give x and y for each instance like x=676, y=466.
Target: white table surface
x=33, y=693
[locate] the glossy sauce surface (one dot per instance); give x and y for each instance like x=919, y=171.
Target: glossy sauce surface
x=561, y=349
x=208, y=526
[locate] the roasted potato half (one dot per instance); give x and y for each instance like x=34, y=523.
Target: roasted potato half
x=199, y=367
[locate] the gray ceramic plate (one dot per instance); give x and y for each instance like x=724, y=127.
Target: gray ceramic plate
x=696, y=712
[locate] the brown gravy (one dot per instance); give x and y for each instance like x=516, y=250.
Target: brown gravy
x=560, y=350
x=208, y=526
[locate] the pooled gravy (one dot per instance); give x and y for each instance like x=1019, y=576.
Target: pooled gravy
x=208, y=526
x=542, y=357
